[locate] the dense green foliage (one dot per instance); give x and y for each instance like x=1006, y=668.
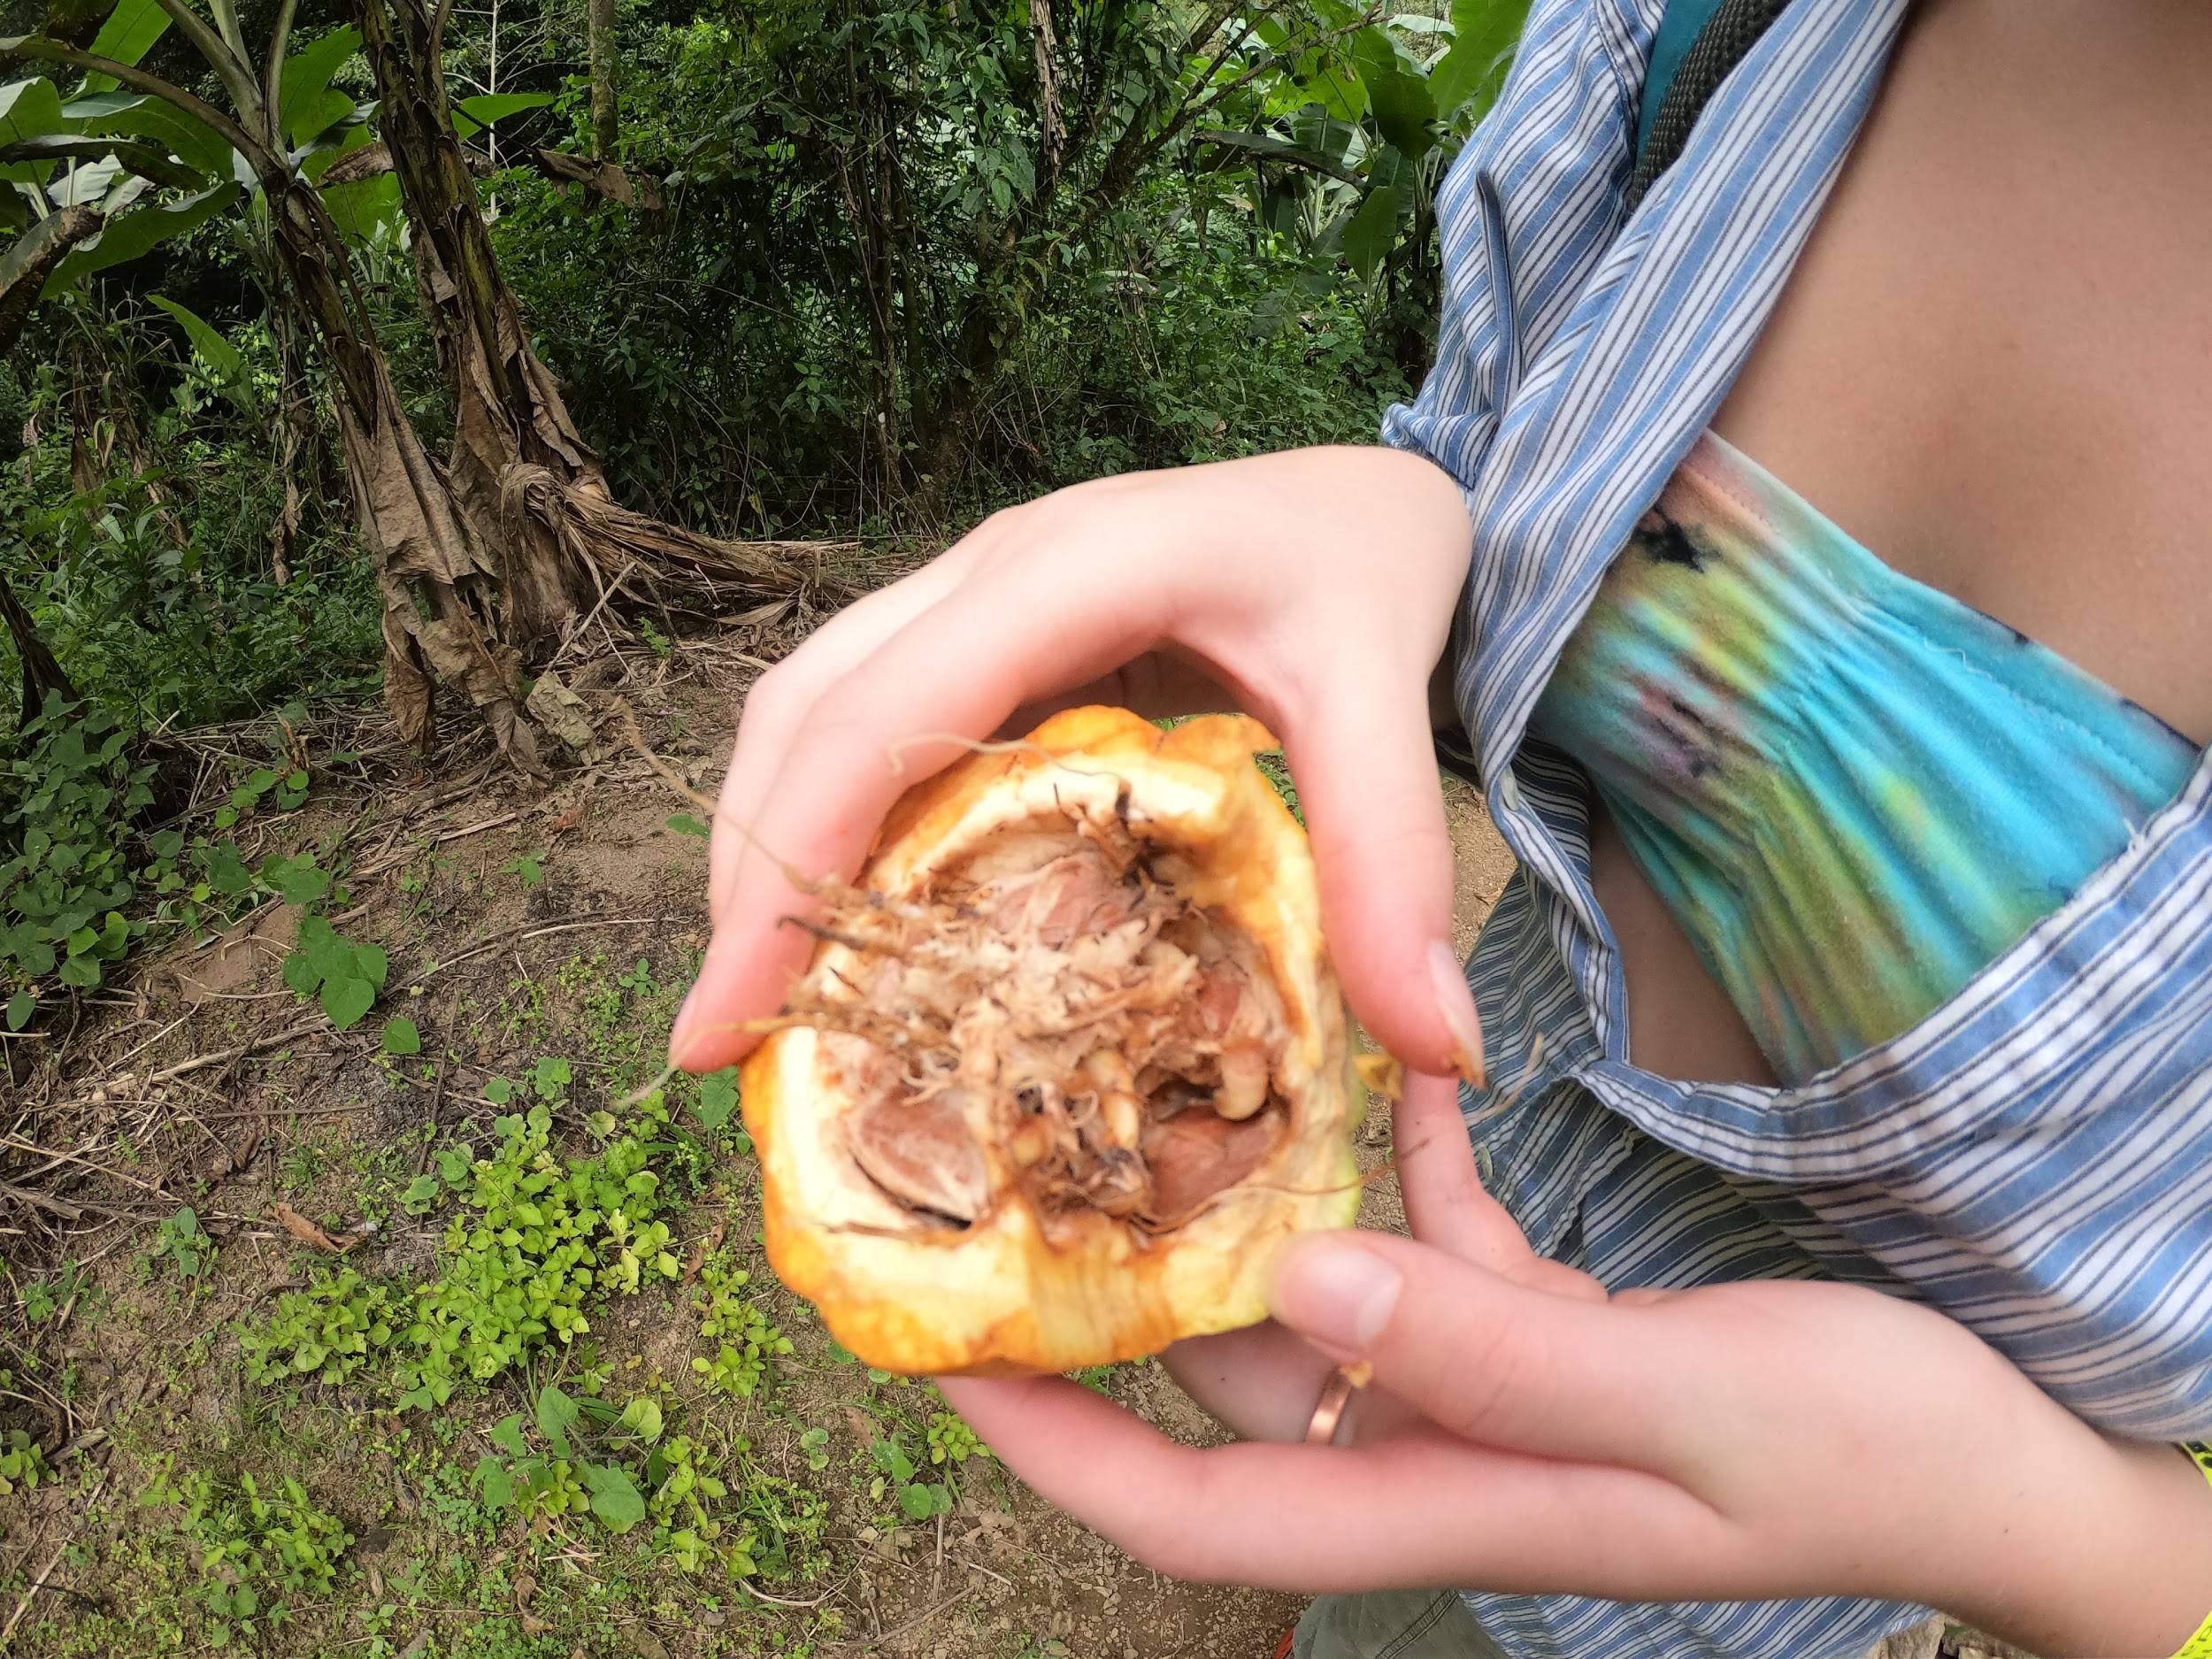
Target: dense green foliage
x=870, y=270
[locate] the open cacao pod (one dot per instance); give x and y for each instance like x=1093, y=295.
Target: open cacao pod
x=1069, y=1063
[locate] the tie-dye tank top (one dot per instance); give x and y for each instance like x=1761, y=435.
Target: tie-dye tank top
x=1851, y=790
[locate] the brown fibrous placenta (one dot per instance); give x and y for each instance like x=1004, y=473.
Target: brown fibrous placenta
x=1054, y=1018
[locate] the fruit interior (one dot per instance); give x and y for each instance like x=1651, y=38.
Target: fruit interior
x=1052, y=1021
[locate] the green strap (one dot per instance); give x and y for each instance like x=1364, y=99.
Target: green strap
x=1727, y=29
x=1684, y=21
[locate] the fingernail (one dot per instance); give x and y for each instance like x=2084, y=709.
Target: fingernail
x=1455, y=1003
x=1338, y=1293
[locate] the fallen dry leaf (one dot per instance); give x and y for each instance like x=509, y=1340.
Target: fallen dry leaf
x=708, y=1243
x=307, y=1232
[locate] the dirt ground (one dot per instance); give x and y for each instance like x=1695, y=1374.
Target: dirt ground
x=529, y=935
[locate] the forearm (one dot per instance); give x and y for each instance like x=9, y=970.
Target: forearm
x=2100, y=1550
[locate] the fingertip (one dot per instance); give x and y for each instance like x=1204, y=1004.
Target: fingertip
x=1336, y=1291
x=1383, y=850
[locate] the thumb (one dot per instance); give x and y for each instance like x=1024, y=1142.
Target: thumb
x=1499, y=1363
x=1367, y=779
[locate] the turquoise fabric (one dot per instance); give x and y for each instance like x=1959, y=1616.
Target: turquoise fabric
x=1685, y=20
x=1852, y=791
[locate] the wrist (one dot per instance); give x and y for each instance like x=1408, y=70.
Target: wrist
x=2111, y=1559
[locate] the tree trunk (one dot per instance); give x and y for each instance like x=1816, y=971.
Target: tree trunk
x=605, y=119
x=26, y=266
x=520, y=468
x=429, y=552
x=41, y=673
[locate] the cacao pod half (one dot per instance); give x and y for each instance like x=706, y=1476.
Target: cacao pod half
x=1069, y=1063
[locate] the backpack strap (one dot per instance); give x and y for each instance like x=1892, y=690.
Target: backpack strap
x=1732, y=30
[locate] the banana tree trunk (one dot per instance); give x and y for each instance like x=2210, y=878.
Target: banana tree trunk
x=519, y=465
x=443, y=621
x=41, y=673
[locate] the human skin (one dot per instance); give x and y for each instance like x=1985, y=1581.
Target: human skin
x=1991, y=367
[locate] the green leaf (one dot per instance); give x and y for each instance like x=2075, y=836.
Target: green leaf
x=717, y=1098
x=346, y=999
x=81, y=972
x=557, y=1413
x=192, y=142
x=1397, y=92
x=914, y=1500
x=227, y=874
x=297, y=880
x=642, y=1417
x=497, y=106
x=129, y=235
x=615, y=1498
x=493, y=1480
x=1322, y=76
x=1373, y=231
x=29, y=109
x=307, y=74
x=421, y=1195
x=370, y=961
x=402, y=1037
x=507, y=1435
x=684, y=824
x=21, y=1007
x=359, y=209
x=209, y=343
x=1484, y=34
x=127, y=36
x=300, y=973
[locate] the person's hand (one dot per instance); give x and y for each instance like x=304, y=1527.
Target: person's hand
x=1313, y=589
x=1524, y=1433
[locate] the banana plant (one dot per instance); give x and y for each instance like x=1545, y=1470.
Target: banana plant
x=145, y=158
x=1354, y=129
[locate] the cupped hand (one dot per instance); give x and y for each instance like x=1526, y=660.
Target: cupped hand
x=1525, y=1432
x=1313, y=589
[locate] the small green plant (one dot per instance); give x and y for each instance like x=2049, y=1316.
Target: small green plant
x=22, y=1463
x=289, y=788
x=402, y=1037
x=815, y=1444
x=532, y=1237
x=619, y=1466
x=44, y=1299
x=253, y=1551
x=899, y=1479
x=328, y=1332
x=528, y=867
x=181, y=1241
x=343, y=975
x=745, y=1339
x=71, y=788
x=951, y=1441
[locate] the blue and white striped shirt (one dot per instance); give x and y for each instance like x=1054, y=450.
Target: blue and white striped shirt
x=2035, y=1157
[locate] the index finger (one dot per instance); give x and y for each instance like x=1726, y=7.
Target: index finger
x=954, y=672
